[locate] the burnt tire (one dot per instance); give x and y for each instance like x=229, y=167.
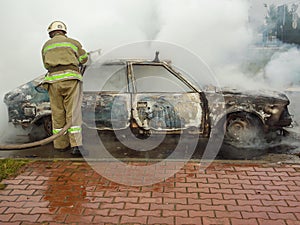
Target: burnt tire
x=41, y=129
x=47, y=123
x=243, y=128
x=244, y=137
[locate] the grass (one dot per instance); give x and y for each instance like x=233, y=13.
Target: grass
x=10, y=167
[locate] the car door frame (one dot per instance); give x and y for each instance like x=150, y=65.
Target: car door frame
x=95, y=101
x=203, y=128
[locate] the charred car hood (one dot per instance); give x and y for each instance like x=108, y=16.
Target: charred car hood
x=269, y=94
x=27, y=93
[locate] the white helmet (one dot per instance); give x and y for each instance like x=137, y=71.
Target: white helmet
x=57, y=25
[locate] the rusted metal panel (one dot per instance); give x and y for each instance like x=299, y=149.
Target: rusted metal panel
x=167, y=112
x=26, y=104
x=270, y=107
x=106, y=111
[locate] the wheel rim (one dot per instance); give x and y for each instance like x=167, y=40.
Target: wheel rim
x=241, y=129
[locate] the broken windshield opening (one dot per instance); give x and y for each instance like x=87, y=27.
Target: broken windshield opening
x=157, y=78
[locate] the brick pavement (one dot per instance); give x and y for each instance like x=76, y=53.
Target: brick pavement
x=71, y=192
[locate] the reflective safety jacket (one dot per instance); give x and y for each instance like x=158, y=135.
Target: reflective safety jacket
x=61, y=57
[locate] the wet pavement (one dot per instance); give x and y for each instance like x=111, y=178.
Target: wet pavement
x=76, y=192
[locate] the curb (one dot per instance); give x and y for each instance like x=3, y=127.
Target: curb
x=219, y=161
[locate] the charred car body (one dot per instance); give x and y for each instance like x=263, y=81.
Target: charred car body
x=152, y=97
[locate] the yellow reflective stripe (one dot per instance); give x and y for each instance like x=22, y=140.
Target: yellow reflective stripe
x=74, y=129
x=56, y=131
x=62, y=76
x=60, y=45
x=83, y=57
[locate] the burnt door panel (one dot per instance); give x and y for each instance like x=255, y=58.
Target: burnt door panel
x=168, y=112
x=106, y=111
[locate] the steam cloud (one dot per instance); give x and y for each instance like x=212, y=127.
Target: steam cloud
x=283, y=70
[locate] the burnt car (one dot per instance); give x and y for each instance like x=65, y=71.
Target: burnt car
x=152, y=97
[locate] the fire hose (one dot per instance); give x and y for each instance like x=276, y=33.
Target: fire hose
x=36, y=143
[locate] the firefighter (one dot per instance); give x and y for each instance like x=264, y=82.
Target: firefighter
x=62, y=57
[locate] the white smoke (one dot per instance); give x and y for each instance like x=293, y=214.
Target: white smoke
x=283, y=73
x=215, y=30
x=283, y=70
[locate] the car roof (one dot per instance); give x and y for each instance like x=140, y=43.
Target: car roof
x=134, y=61
x=167, y=63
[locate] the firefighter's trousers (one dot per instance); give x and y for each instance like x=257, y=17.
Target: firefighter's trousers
x=65, y=101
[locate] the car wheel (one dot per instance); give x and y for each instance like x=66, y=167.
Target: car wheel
x=47, y=123
x=243, y=128
x=244, y=137
x=41, y=129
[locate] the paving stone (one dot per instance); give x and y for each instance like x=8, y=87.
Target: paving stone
x=66, y=192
